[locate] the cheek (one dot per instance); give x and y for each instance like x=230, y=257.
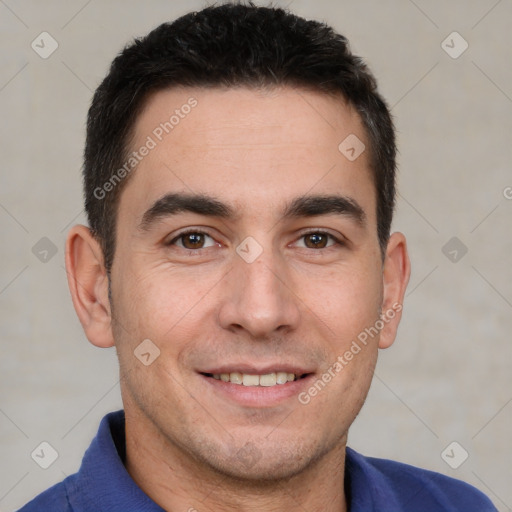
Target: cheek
x=154, y=293
x=347, y=301
x=166, y=305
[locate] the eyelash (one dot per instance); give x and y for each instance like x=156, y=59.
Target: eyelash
x=337, y=241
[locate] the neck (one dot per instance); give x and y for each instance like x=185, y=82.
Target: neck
x=175, y=481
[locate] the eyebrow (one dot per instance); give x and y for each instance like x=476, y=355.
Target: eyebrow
x=201, y=204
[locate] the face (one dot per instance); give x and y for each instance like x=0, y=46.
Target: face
x=274, y=270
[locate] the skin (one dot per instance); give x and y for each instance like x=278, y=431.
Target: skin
x=188, y=444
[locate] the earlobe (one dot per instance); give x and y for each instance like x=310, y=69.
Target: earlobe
x=88, y=284
x=396, y=272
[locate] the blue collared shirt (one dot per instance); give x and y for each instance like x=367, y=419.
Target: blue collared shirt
x=103, y=485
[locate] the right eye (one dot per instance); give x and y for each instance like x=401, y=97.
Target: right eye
x=192, y=240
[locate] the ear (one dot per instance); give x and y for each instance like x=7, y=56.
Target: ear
x=395, y=275
x=88, y=284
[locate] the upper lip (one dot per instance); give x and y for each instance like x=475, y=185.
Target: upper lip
x=252, y=369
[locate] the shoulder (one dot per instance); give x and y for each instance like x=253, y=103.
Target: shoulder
x=55, y=499
x=412, y=488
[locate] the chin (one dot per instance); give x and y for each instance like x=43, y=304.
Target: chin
x=261, y=463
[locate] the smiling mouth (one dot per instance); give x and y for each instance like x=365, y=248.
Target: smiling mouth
x=266, y=380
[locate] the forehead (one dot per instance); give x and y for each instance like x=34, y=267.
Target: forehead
x=247, y=146
x=227, y=115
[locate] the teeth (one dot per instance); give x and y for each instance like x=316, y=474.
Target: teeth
x=282, y=377
x=236, y=378
x=251, y=380
x=267, y=380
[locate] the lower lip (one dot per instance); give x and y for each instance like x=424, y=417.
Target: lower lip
x=259, y=396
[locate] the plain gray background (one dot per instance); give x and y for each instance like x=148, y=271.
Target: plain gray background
x=448, y=376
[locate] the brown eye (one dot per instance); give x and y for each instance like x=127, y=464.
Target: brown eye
x=317, y=240
x=192, y=240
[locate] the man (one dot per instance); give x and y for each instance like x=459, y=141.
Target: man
x=239, y=183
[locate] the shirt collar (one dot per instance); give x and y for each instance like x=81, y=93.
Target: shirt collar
x=366, y=488
x=103, y=483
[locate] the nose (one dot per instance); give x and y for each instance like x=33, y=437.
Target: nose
x=259, y=297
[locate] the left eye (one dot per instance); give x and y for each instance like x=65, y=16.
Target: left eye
x=318, y=240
